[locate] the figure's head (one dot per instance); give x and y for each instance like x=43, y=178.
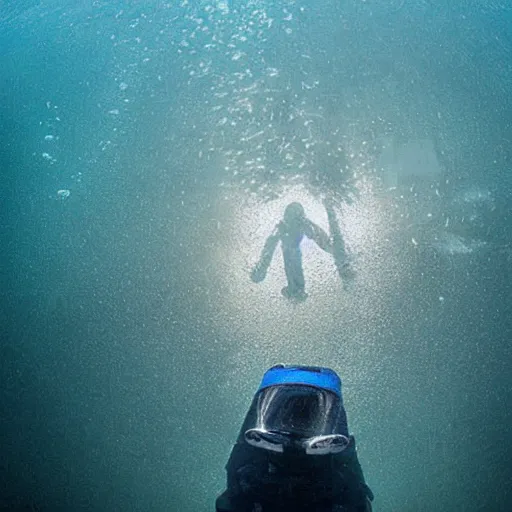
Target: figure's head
x=298, y=408
x=294, y=212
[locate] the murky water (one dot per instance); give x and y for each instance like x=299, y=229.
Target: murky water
x=149, y=149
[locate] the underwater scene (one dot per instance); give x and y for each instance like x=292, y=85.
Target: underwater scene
x=196, y=191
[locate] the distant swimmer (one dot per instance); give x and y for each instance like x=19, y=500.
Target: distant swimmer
x=290, y=231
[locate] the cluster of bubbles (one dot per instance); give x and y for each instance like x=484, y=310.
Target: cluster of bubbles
x=247, y=82
x=51, y=151
x=265, y=117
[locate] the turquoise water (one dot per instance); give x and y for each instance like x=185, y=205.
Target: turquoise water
x=149, y=149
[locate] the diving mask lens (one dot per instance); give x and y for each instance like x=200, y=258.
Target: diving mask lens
x=276, y=442
x=323, y=445
x=272, y=441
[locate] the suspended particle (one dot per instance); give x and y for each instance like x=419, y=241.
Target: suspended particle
x=63, y=193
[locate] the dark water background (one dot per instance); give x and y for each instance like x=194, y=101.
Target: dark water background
x=132, y=337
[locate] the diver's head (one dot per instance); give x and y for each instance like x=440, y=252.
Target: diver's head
x=298, y=408
x=294, y=212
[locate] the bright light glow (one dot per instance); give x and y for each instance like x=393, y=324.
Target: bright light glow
x=268, y=324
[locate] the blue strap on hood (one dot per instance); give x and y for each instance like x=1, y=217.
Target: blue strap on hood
x=318, y=377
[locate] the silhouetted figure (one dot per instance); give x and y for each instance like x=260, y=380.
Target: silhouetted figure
x=290, y=231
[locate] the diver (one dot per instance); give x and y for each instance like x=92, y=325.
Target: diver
x=290, y=231
x=294, y=452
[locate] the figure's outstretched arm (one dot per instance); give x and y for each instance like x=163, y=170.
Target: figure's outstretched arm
x=318, y=235
x=259, y=272
x=339, y=252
